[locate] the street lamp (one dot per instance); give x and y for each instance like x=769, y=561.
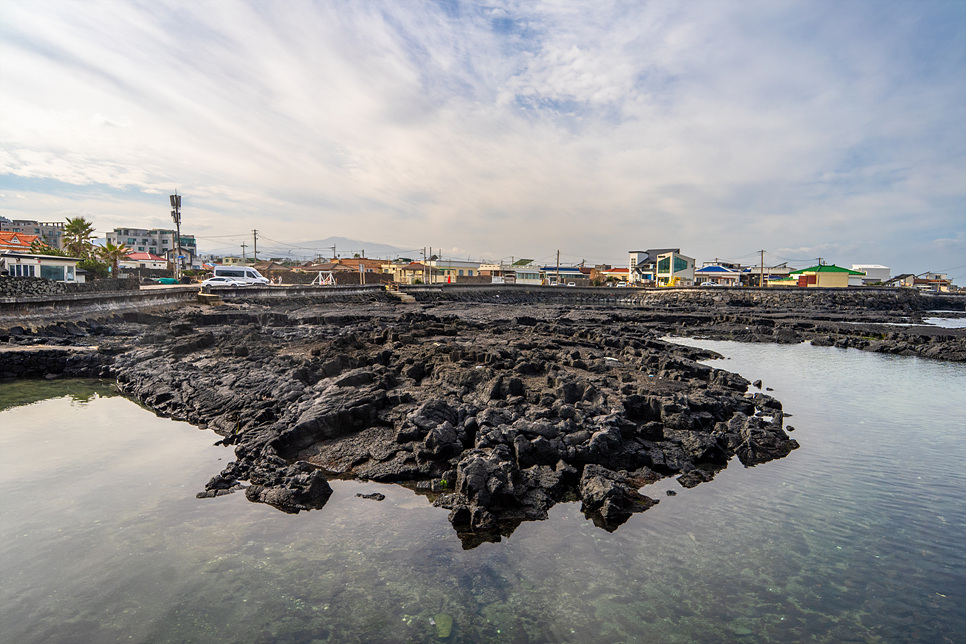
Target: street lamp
x=176, y=216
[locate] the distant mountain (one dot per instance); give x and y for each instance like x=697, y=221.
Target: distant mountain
x=344, y=247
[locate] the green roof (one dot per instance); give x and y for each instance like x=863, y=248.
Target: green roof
x=826, y=268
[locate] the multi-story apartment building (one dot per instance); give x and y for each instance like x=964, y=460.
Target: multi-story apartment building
x=51, y=232
x=157, y=241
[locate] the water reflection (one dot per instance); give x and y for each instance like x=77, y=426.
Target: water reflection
x=15, y=393
x=856, y=538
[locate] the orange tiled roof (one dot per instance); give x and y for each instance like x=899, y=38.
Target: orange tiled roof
x=16, y=241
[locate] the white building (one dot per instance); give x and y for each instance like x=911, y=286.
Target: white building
x=144, y=260
x=675, y=269
x=642, y=265
x=51, y=267
x=519, y=272
x=563, y=275
x=157, y=241
x=874, y=273
x=717, y=275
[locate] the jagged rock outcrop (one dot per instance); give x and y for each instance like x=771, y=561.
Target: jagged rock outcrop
x=496, y=412
x=498, y=419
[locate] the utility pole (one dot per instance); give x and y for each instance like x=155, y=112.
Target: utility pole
x=176, y=216
x=761, y=277
x=243, y=246
x=424, y=264
x=558, y=268
x=255, y=251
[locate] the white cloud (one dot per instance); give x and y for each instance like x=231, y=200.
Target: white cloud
x=516, y=128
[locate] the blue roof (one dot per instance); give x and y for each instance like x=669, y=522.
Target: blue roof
x=714, y=269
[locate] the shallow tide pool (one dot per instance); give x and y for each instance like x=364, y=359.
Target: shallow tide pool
x=855, y=536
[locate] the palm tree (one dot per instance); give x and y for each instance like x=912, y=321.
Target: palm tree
x=77, y=237
x=113, y=254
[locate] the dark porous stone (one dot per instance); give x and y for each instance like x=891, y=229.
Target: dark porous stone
x=494, y=403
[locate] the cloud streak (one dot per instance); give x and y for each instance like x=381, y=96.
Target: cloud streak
x=511, y=128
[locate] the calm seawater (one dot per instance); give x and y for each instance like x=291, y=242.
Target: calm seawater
x=857, y=536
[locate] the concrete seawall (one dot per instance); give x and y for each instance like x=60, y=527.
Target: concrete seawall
x=68, y=305
x=72, y=304
x=885, y=299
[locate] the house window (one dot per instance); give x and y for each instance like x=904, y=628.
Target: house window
x=461, y=272
x=680, y=264
x=131, y=242
x=23, y=270
x=54, y=273
x=664, y=265
x=470, y=272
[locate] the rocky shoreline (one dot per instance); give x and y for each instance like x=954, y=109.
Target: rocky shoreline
x=495, y=411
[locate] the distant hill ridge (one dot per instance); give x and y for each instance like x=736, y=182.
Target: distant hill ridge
x=344, y=247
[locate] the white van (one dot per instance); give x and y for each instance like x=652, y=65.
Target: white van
x=241, y=274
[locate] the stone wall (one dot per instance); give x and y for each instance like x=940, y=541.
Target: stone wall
x=40, y=287
x=879, y=299
x=306, y=294
x=146, y=273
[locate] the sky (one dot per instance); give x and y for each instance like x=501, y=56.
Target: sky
x=513, y=128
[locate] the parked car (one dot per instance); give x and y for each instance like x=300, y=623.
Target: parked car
x=167, y=280
x=245, y=274
x=223, y=281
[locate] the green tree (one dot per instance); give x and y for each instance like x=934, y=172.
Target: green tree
x=41, y=247
x=113, y=255
x=77, y=238
x=95, y=269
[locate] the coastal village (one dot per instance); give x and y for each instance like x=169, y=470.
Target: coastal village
x=465, y=322
x=37, y=249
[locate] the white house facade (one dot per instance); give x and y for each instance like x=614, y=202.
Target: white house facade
x=51, y=267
